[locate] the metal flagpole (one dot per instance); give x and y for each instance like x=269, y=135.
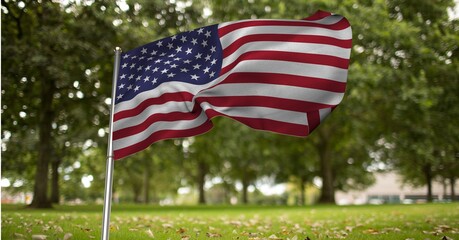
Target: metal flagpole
x=110, y=159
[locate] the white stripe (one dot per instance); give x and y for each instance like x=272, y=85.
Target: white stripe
x=260, y=112
x=277, y=91
x=158, y=126
x=311, y=48
x=229, y=38
x=292, y=68
x=330, y=20
x=151, y=110
x=323, y=113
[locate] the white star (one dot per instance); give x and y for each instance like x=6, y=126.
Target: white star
x=132, y=66
x=159, y=44
x=187, y=61
x=206, y=70
x=171, y=55
x=174, y=37
x=146, y=79
x=121, y=86
x=194, y=41
x=178, y=49
x=148, y=68
x=194, y=76
x=126, y=56
x=123, y=76
x=214, y=61
x=207, y=34
x=144, y=51
x=162, y=54
x=207, y=58
x=164, y=71
x=136, y=88
x=158, y=61
x=167, y=62
x=174, y=65
x=170, y=75
x=153, y=52
x=134, y=57
x=201, y=30
x=212, y=74
x=183, y=39
x=129, y=87
x=140, y=58
x=170, y=46
x=138, y=78
x=204, y=43
x=155, y=80
x=197, y=66
x=150, y=58
x=188, y=51
x=155, y=69
x=131, y=76
x=124, y=65
x=183, y=70
x=198, y=56
x=176, y=59
x=120, y=96
x=139, y=68
x=213, y=49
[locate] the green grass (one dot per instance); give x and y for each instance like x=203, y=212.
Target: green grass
x=425, y=221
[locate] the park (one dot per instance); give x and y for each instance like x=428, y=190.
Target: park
x=357, y=103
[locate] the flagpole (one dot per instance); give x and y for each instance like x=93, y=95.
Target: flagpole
x=110, y=159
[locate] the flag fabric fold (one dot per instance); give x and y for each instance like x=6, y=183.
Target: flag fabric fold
x=283, y=76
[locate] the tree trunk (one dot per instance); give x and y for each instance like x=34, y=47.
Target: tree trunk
x=245, y=187
x=302, y=192
x=428, y=177
x=146, y=183
x=202, y=172
x=452, y=182
x=40, y=191
x=327, y=194
x=137, y=190
x=55, y=181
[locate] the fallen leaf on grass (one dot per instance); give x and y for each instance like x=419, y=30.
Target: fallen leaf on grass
x=446, y=238
x=18, y=236
x=213, y=235
x=39, y=237
x=68, y=236
x=150, y=233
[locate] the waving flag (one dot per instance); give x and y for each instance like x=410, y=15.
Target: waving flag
x=283, y=76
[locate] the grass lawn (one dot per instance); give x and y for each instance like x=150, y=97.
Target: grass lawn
x=424, y=221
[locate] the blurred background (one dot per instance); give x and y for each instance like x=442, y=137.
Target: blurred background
x=393, y=139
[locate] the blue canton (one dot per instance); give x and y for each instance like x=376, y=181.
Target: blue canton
x=192, y=57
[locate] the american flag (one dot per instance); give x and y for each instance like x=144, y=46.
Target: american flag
x=283, y=76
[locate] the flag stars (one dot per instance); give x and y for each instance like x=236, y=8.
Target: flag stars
x=146, y=79
x=159, y=43
x=206, y=70
x=174, y=37
x=158, y=61
x=162, y=54
x=153, y=52
x=144, y=51
x=131, y=76
x=147, y=68
x=170, y=46
x=194, y=41
x=136, y=88
x=174, y=65
x=207, y=34
x=198, y=56
x=126, y=56
x=170, y=75
x=183, y=39
x=132, y=66
x=138, y=78
x=164, y=71
x=188, y=51
x=213, y=62
x=213, y=49
x=120, y=96
x=196, y=66
x=178, y=49
x=187, y=61
x=183, y=70
x=123, y=76
x=124, y=65
x=139, y=68
x=200, y=31
x=194, y=77
x=155, y=80
x=121, y=86
x=130, y=87
x=155, y=69
x=167, y=62
x=207, y=58
x=212, y=74
x=204, y=43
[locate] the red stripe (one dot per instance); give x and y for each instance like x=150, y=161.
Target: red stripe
x=289, y=57
x=340, y=25
x=318, y=15
x=159, y=117
x=286, y=79
x=167, y=97
x=313, y=120
x=267, y=124
x=263, y=101
x=160, y=135
x=343, y=43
